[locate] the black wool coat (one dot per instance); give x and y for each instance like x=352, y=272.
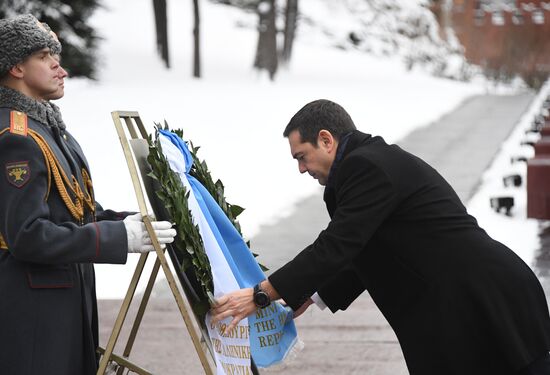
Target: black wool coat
x=458, y=301
x=48, y=307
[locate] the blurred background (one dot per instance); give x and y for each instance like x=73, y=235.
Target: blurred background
x=504, y=39
x=459, y=82
x=231, y=73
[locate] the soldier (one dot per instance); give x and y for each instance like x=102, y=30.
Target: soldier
x=51, y=230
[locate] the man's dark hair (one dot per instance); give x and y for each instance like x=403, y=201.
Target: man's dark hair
x=320, y=115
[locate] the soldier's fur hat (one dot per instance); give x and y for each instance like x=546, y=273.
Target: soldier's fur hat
x=20, y=37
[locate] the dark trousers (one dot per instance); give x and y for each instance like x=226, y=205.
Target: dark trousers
x=540, y=366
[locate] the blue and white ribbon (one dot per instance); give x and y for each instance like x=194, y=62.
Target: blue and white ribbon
x=270, y=334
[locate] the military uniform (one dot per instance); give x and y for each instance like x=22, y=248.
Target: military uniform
x=50, y=238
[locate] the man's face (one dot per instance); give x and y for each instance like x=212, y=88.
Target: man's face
x=41, y=75
x=314, y=160
x=61, y=75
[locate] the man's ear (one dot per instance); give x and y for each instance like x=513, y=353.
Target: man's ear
x=326, y=140
x=16, y=71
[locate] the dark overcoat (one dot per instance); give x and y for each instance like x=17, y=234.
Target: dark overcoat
x=458, y=301
x=48, y=310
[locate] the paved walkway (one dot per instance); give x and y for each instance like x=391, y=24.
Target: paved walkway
x=460, y=146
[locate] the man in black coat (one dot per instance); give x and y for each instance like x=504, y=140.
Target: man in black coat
x=458, y=301
x=51, y=229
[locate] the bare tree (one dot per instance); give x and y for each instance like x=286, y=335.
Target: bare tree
x=161, y=23
x=291, y=20
x=196, y=38
x=266, y=53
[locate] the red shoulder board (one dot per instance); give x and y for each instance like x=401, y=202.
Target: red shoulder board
x=18, y=123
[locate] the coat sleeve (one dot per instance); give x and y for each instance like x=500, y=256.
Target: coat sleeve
x=365, y=197
x=341, y=290
x=101, y=214
x=25, y=215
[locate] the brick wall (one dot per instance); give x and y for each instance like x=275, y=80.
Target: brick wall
x=504, y=37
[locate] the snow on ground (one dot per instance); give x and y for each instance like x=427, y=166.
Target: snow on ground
x=236, y=115
x=516, y=231
x=404, y=28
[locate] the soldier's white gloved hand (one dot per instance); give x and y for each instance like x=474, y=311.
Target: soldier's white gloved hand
x=138, y=237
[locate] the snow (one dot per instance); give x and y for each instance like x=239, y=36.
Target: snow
x=234, y=113
x=516, y=231
x=403, y=29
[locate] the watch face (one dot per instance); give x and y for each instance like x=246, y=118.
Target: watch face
x=261, y=299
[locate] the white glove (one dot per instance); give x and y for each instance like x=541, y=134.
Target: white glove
x=138, y=237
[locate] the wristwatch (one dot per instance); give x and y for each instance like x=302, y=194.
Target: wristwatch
x=261, y=298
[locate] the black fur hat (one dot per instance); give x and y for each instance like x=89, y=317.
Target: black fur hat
x=20, y=37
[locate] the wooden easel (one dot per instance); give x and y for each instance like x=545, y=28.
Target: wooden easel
x=137, y=147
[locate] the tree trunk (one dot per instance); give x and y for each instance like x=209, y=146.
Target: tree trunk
x=161, y=23
x=196, y=37
x=266, y=53
x=291, y=18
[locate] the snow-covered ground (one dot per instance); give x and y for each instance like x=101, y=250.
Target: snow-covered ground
x=400, y=28
x=236, y=115
x=516, y=231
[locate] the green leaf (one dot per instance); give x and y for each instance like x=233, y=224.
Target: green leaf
x=188, y=243
x=236, y=210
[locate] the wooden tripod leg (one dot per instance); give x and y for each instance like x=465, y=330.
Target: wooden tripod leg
x=139, y=315
x=122, y=315
x=126, y=364
x=207, y=366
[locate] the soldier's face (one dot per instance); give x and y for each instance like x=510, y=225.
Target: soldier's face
x=40, y=75
x=314, y=160
x=61, y=74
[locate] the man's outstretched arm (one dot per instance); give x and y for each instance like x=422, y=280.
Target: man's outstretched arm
x=240, y=304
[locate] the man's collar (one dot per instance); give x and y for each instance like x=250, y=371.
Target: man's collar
x=44, y=112
x=338, y=157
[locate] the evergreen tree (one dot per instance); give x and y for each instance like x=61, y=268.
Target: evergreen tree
x=68, y=18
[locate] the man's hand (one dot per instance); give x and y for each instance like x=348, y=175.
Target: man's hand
x=238, y=304
x=303, y=308
x=138, y=237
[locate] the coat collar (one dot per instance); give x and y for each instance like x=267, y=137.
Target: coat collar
x=347, y=144
x=44, y=112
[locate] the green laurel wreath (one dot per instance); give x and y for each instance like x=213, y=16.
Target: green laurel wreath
x=174, y=196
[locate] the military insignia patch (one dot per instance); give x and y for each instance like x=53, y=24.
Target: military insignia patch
x=18, y=173
x=18, y=123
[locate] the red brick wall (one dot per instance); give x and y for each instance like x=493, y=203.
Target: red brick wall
x=504, y=49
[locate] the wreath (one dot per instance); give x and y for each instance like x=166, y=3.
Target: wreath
x=188, y=245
